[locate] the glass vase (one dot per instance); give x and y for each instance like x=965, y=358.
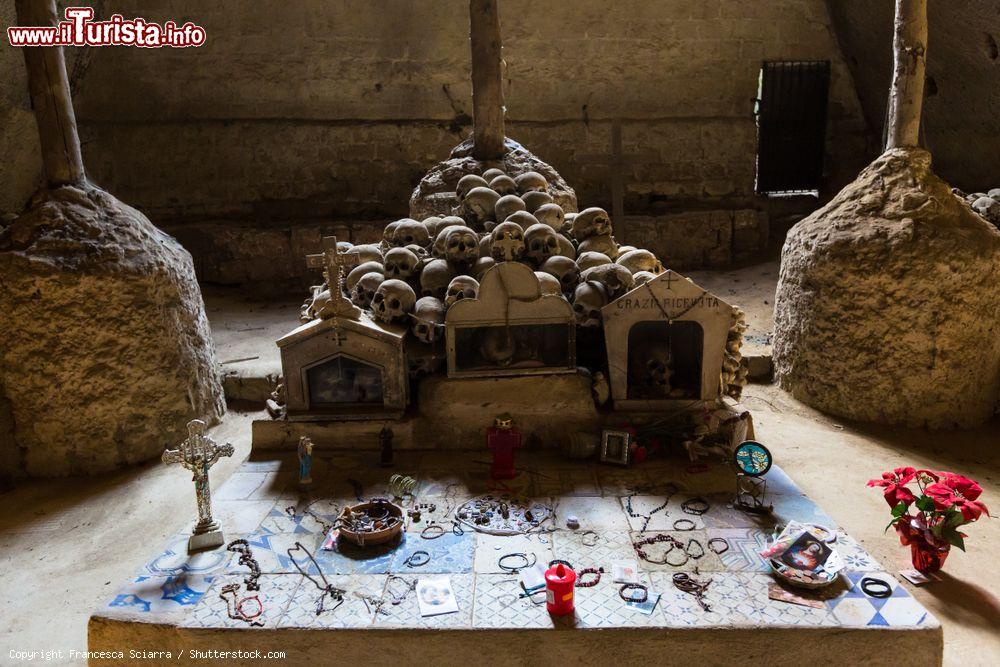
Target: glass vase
x=927, y=557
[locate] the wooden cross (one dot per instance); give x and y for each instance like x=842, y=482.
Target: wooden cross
x=617, y=162
x=335, y=264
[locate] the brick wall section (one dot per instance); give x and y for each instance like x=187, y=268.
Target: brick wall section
x=316, y=110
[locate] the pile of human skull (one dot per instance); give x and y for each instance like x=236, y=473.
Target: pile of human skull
x=986, y=204
x=503, y=515
x=422, y=268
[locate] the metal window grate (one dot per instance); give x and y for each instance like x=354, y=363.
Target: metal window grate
x=791, y=109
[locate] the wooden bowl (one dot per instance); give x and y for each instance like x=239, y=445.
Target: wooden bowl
x=376, y=537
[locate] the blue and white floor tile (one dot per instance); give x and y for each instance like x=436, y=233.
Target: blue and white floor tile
x=146, y=594
x=175, y=559
x=276, y=590
x=856, y=608
x=448, y=553
x=407, y=613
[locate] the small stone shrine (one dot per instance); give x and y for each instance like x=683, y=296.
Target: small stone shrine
x=485, y=307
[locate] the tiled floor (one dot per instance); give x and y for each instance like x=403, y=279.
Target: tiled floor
x=263, y=504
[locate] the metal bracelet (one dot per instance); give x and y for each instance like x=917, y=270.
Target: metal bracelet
x=588, y=543
x=514, y=569
x=696, y=506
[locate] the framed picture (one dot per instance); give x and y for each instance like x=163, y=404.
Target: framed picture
x=615, y=447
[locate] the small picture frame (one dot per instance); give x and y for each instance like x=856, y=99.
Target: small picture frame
x=615, y=447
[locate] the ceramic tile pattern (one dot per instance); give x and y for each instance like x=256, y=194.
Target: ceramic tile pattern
x=255, y=503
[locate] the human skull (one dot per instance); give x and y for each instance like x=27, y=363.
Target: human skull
x=368, y=252
x=407, y=232
x=344, y=246
x=427, y=321
x=445, y=222
x=393, y=301
x=504, y=185
x=485, y=243
x=461, y=246
x=988, y=207
x=622, y=249
x=531, y=181
x=640, y=260
x=317, y=305
x=564, y=270
x=590, y=259
x=616, y=278
x=602, y=244
x=547, y=283
x=430, y=224
x=551, y=215
x=467, y=183
x=540, y=243
x=535, y=200
x=400, y=263
x=592, y=221
x=364, y=289
x=507, y=242
x=361, y=269
x=588, y=299
x=507, y=205
x=461, y=287
x=483, y=264
x=478, y=206
x=523, y=219
x=387, y=233
x=419, y=251
x=434, y=279
x=438, y=246
x=566, y=247
x=657, y=375
x=642, y=277
x=492, y=173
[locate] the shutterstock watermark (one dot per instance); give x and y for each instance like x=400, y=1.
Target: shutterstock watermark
x=79, y=29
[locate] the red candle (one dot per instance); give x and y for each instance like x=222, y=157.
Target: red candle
x=559, y=583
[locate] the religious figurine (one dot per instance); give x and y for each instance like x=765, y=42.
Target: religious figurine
x=198, y=453
x=385, y=447
x=305, y=461
x=503, y=438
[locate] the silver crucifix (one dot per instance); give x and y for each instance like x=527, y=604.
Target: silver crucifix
x=198, y=453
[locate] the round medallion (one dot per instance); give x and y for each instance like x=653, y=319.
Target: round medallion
x=752, y=458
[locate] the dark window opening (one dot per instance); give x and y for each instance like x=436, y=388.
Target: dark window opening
x=664, y=360
x=791, y=110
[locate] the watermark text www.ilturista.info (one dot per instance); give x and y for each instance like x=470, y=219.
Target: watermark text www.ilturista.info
x=79, y=29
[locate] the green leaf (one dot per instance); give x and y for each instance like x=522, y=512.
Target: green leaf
x=954, y=519
x=955, y=539
x=899, y=510
x=925, y=504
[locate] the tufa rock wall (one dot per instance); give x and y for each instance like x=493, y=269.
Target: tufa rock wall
x=888, y=302
x=107, y=352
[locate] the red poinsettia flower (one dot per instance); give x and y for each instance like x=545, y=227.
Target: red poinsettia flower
x=894, y=484
x=959, y=492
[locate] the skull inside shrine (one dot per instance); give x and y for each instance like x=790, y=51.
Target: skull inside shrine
x=666, y=341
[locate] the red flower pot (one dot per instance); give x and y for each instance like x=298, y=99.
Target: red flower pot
x=926, y=557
